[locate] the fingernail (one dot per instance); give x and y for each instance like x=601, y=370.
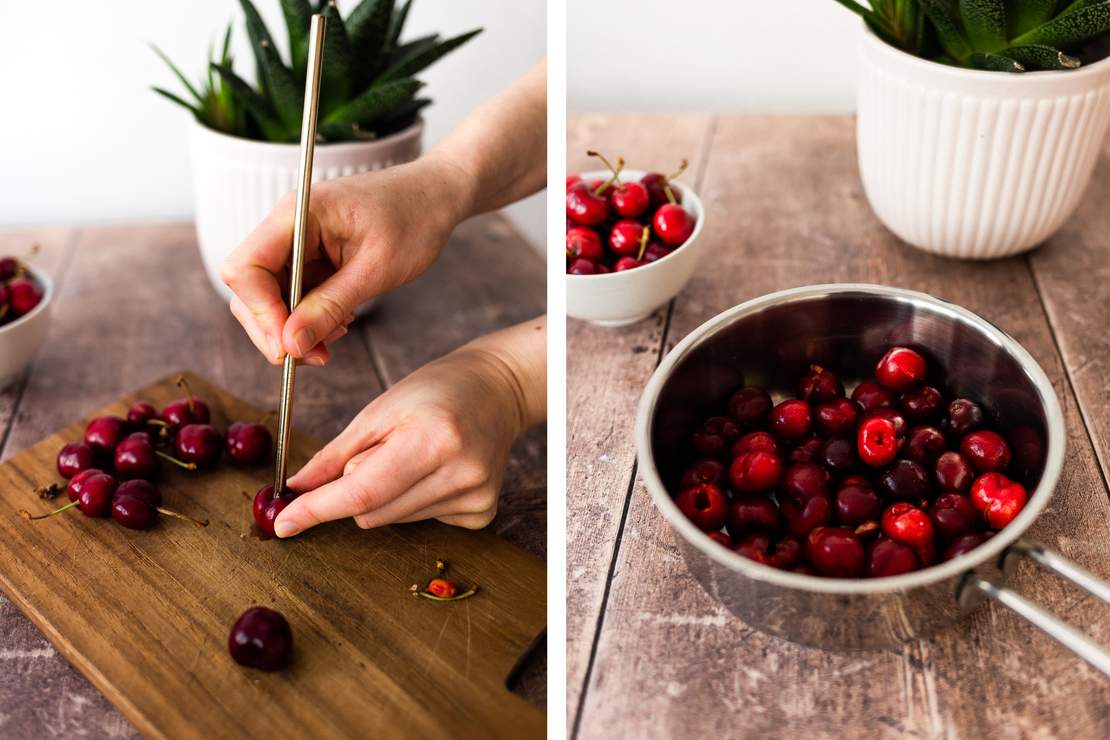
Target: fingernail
x=314, y=361
x=285, y=528
x=304, y=340
x=275, y=348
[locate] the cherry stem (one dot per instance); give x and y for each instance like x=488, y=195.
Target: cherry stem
x=3, y=310
x=185, y=517
x=457, y=597
x=681, y=168
x=175, y=461
x=157, y=423
x=599, y=155
x=643, y=242
x=27, y=515
x=182, y=383
x=670, y=194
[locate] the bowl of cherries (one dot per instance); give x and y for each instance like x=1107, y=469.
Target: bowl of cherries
x=632, y=242
x=849, y=466
x=25, y=296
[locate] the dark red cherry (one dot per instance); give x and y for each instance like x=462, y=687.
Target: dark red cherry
x=249, y=443
x=750, y=407
x=924, y=444
x=23, y=296
x=900, y=369
x=805, y=481
x=188, y=410
x=886, y=557
x=199, y=444
x=753, y=513
x=965, y=544
x=715, y=436
x=786, y=554
x=656, y=251
x=134, y=513
x=657, y=185
x=585, y=267
x=706, y=470
x=953, y=516
x=835, y=552
x=905, y=480
x=261, y=638
x=804, y=515
x=95, y=498
x=135, y=457
x=140, y=489
x=720, y=538
x=75, y=458
x=790, y=421
x=964, y=416
x=104, y=433
x=838, y=453
x=924, y=405
x=870, y=395
x=835, y=416
x=986, y=450
x=73, y=490
x=818, y=385
x=755, y=471
x=857, y=502
x=755, y=442
x=266, y=507
x=627, y=263
x=953, y=472
x=140, y=413
x=705, y=505
x=807, y=451
x=754, y=547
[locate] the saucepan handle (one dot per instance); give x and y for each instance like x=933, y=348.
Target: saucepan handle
x=1068, y=636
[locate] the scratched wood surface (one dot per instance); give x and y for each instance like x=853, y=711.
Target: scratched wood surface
x=786, y=208
x=130, y=301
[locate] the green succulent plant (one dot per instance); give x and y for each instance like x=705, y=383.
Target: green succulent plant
x=368, y=87
x=1000, y=35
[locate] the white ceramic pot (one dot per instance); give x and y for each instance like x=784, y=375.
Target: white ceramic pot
x=622, y=298
x=974, y=164
x=21, y=339
x=237, y=181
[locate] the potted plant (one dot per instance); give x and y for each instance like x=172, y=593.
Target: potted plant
x=980, y=121
x=244, y=143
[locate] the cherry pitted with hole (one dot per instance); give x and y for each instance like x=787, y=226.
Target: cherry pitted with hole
x=885, y=481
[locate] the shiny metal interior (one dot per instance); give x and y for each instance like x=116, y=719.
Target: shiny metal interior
x=847, y=328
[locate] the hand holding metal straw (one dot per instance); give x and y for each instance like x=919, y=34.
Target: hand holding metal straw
x=300, y=228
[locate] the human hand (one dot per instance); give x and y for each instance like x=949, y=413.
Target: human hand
x=435, y=445
x=366, y=234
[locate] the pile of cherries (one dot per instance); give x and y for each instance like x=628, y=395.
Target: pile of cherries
x=111, y=472
x=19, y=291
x=614, y=226
x=885, y=482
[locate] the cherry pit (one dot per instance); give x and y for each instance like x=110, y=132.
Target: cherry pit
x=891, y=478
x=615, y=225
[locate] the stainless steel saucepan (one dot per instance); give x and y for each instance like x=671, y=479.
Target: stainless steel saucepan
x=847, y=327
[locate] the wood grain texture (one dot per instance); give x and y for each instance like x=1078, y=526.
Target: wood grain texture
x=601, y=398
x=145, y=615
x=143, y=291
x=786, y=209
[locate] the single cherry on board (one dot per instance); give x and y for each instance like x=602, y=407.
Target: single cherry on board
x=261, y=638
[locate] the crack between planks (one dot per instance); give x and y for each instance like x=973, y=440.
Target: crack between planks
x=1068, y=379
x=70, y=248
x=375, y=362
x=702, y=164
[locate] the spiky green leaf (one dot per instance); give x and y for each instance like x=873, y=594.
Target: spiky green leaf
x=422, y=43
x=947, y=25
x=397, y=26
x=177, y=72
x=279, y=82
x=1040, y=57
x=335, y=83
x=420, y=59
x=1077, y=5
x=994, y=62
x=985, y=23
x=298, y=15
x=258, y=106
x=1069, y=29
x=1025, y=15
x=184, y=104
x=368, y=27
x=375, y=103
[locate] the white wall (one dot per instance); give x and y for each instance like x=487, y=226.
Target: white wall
x=82, y=138
x=731, y=56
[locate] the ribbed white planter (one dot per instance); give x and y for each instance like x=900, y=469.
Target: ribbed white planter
x=974, y=164
x=237, y=181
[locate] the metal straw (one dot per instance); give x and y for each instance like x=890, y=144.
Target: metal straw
x=300, y=227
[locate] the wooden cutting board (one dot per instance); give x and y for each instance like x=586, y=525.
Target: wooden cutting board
x=146, y=615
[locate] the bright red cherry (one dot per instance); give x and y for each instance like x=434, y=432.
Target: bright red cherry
x=804, y=515
x=755, y=471
x=629, y=199
x=75, y=458
x=705, y=505
x=673, y=224
x=626, y=236
x=627, y=263
x=900, y=369
x=998, y=499
x=23, y=296
x=585, y=244
x=986, y=450
x=720, y=538
x=835, y=552
x=573, y=180
x=790, y=420
x=105, y=432
x=585, y=206
x=907, y=524
x=836, y=415
x=755, y=442
x=877, y=443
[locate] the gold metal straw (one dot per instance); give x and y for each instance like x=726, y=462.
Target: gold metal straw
x=300, y=228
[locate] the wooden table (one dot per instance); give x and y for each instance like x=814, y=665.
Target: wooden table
x=134, y=304
x=649, y=654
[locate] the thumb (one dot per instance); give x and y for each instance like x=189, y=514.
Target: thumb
x=323, y=310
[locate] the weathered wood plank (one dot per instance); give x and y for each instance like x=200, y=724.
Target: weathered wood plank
x=1072, y=272
x=796, y=215
x=606, y=371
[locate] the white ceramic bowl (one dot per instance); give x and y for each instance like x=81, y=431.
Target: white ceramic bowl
x=22, y=338
x=622, y=298
x=972, y=164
